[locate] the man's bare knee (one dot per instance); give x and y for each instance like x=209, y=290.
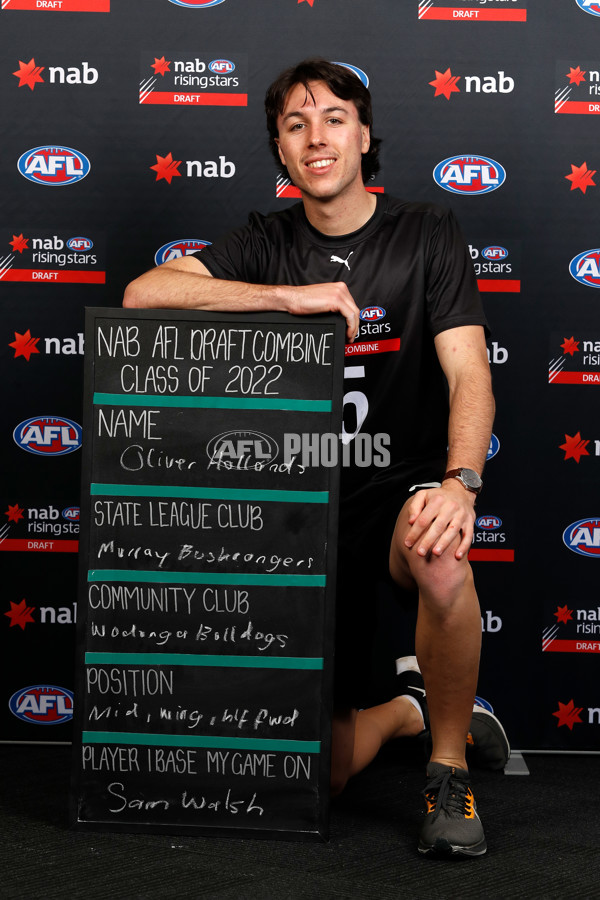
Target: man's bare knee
x=447, y=590
x=444, y=577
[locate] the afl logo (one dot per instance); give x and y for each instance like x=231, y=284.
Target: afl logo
x=358, y=72
x=71, y=514
x=469, y=175
x=484, y=704
x=585, y=268
x=177, y=249
x=493, y=448
x=372, y=313
x=583, y=537
x=42, y=704
x=488, y=523
x=589, y=6
x=221, y=66
x=48, y=436
x=494, y=253
x=53, y=166
x=242, y=449
x=81, y=244
x=196, y=4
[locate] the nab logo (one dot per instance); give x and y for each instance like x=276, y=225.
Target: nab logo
x=494, y=253
x=53, y=166
x=489, y=523
x=585, y=268
x=469, y=175
x=168, y=168
x=583, y=537
x=48, y=436
x=446, y=84
x=42, y=704
x=372, y=313
x=197, y=4
x=221, y=66
x=81, y=244
x=358, y=72
x=493, y=448
x=589, y=6
x=177, y=249
x=29, y=74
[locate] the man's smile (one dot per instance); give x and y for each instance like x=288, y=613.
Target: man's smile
x=320, y=163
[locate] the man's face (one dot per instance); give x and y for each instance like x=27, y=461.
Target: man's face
x=321, y=141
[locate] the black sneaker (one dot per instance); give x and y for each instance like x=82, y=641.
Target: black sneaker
x=452, y=827
x=487, y=743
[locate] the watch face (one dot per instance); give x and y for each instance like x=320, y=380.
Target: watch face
x=471, y=478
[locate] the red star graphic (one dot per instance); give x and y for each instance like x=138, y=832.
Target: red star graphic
x=563, y=614
x=310, y=2
x=29, y=74
x=575, y=76
x=14, y=513
x=24, y=345
x=570, y=346
x=166, y=167
x=20, y=614
x=568, y=714
x=581, y=177
x=161, y=66
x=445, y=83
x=19, y=243
x=574, y=447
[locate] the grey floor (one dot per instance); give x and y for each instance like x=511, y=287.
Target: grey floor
x=543, y=833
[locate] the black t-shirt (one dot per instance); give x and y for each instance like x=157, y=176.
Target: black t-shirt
x=410, y=274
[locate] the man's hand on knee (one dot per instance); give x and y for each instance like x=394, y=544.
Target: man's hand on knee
x=439, y=518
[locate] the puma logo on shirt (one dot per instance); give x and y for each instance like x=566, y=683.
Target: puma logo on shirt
x=343, y=262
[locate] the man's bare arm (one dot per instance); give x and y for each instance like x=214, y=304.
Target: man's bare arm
x=463, y=355
x=187, y=284
x=438, y=515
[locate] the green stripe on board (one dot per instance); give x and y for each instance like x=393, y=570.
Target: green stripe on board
x=102, y=399
x=207, y=578
x=204, y=659
x=190, y=740
x=152, y=490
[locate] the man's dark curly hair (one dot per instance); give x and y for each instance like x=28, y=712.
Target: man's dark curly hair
x=342, y=82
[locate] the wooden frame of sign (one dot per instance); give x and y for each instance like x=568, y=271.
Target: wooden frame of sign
x=207, y=573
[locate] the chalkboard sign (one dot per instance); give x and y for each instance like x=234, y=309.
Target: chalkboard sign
x=207, y=572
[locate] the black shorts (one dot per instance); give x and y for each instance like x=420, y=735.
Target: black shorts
x=367, y=522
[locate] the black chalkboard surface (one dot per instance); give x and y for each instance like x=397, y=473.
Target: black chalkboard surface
x=207, y=572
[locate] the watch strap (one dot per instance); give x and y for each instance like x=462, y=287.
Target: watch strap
x=458, y=473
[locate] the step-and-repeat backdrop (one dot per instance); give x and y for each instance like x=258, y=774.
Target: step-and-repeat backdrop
x=134, y=133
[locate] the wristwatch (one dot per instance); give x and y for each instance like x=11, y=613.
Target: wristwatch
x=467, y=477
